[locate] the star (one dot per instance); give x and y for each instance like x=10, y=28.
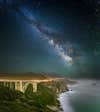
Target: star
x=38, y=5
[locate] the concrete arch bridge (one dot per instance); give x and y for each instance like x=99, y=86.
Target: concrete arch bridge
x=20, y=82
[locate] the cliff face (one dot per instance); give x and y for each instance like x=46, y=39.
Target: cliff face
x=58, y=86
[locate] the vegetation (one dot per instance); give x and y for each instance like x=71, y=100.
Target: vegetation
x=16, y=101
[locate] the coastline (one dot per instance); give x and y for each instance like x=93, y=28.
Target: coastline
x=63, y=94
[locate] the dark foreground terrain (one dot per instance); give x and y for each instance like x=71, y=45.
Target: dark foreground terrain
x=16, y=101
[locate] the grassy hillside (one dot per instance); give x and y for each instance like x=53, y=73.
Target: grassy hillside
x=16, y=101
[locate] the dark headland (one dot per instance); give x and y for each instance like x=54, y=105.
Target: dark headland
x=31, y=92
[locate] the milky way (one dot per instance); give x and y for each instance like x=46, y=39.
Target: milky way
x=49, y=36
x=69, y=32
x=46, y=34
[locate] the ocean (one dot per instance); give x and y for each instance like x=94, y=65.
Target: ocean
x=82, y=97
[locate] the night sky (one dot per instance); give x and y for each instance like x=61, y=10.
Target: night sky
x=50, y=36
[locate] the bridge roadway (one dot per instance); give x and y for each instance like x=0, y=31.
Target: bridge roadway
x=21, y=85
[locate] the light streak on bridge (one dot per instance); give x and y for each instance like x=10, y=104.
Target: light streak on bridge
x=21, y=82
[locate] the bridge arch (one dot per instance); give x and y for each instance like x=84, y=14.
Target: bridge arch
x=26, y=84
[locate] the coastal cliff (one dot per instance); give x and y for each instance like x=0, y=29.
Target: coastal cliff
x=44, y=99
x=58, y=86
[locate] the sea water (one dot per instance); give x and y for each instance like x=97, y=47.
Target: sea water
x=82, y=97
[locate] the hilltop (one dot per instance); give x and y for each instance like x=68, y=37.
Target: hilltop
x=25, y=76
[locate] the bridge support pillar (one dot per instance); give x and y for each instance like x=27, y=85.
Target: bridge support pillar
x=18, y=86
x=34, y=86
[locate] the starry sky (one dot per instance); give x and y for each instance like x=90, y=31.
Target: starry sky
x=50, y=36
